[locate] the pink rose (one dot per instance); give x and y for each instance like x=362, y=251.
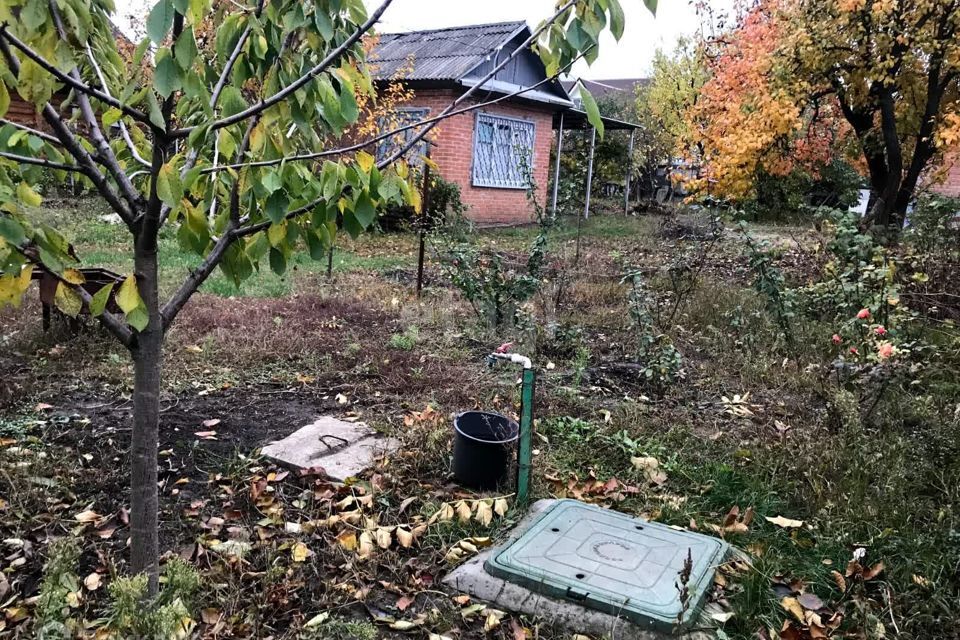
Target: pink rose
x=885, y=350
x=863, y=314
x=836, y=339
x=880, y=331
x=854, y=351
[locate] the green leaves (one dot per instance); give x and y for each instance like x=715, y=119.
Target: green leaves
x=617, y=19
x=166, y=77
x=185, y=50
x=4, y=99
x=160, y=21
x=651, y=5
x=27, y=196
x=231, y=101
x=364, y=210
x=99, y=301
x=593, y=112
x=130, y=302
x=169, y=188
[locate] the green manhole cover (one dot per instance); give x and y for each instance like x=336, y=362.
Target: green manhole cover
x=611, y=562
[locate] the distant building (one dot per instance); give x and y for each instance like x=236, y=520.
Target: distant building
x=491, y=152
x=625, y=88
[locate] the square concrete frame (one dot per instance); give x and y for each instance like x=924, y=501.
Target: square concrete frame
x=342, y=449
x=471, y=578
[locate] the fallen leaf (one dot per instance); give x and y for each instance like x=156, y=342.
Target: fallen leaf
x=786, y=523
x=406, y=625
x=650, y=467
x=404, y=538
x=317, y=620
x=792, y=606
x=210, y=424
x=920, y=581
x=722, y=617
x=366, y=546
x=347, y=540
x=810, y=601
x=92, y=581
x=873, y=572
x=43, y=406
x=484, y=513
x=501, y=506
x=210, y=616
x=384, y=538
x=494, y=617
x=341, y=399
x=406, y=503
x=464, y=512
x=404, y=603
x=839, y=580
x=299, y=552
x=206, y=435
x=87, y=516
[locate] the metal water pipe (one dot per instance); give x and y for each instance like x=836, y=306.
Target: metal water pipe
x=525, y=446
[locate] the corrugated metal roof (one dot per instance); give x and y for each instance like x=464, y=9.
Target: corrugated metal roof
x=438, y=54
x=615, y=86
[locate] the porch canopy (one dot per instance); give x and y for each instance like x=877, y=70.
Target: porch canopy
x=576, y=119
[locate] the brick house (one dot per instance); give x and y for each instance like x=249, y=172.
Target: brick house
x=949, y=185
x=492, y=152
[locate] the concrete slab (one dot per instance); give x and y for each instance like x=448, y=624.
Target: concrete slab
x=471, y=578
x=342, y=449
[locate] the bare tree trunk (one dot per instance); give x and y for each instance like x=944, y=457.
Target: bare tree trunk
x=147, y=357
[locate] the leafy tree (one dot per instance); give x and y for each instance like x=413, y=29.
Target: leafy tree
x=797, y=83
x=675, y=84
x=893, y=70
x=748, y=127
x=228, y=117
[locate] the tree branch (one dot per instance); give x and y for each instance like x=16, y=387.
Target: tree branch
x=192, y=156
x=106, y=156
x=279, y=96
x=197, y=277
x=80, y=86
x=123, y=127
x=40, y=162
x=72, y=145
x=46, y=137
x=389, y=134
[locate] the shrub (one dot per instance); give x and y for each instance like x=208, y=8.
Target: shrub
x=769, y=282
x=445, y=204
x=405, y=341
x=660, y=361
x=934, y=224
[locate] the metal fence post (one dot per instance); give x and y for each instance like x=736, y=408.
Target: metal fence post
x=593, y=146
x=556, y=169
x=626, y=184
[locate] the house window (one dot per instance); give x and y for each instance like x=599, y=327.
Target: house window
x=502, y=152
x=393, y=144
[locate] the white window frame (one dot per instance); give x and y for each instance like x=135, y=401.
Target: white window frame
x=522, y=181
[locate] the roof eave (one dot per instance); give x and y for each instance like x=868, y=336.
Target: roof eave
x=519, y=92
x=520, y=29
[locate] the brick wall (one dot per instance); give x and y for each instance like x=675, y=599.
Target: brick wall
x=950, y=185
x=453, y=153
x=23, y=112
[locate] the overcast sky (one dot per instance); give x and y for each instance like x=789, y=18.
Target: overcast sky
x=629, y=58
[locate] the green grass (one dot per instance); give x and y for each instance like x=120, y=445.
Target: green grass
x=102, y=244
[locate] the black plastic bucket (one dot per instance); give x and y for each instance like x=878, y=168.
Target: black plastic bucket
x=482, y=448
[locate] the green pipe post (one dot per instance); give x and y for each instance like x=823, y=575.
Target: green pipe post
x=525, y=449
